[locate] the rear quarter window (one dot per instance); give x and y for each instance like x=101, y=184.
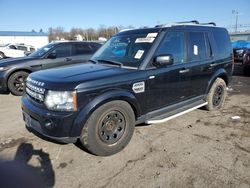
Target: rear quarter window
x=222, y=43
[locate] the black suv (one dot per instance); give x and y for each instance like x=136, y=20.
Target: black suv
x=138, y=76
x=14, y=71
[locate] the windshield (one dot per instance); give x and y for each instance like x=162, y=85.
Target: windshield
x=42, y=51
x=128, y=50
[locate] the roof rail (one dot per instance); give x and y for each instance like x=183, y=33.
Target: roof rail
x=192, y=22
x=209, y=23
x=188, y=22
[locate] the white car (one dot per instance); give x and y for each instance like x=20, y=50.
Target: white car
x=15, y=50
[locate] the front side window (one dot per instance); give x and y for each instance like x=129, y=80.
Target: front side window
x=128, y=50
x=42, y=51
x=173, y=44
x=12, y=47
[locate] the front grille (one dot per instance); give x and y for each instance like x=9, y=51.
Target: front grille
x=36, y=93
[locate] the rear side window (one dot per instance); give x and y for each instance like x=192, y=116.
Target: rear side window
x=222, y=42
x=23, y=48
x=95, y=46
x=81, y=49
x=63, y=50
x=197, y=46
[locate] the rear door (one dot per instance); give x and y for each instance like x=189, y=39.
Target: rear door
x=200, y=61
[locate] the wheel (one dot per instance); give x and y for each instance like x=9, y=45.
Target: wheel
x=217, y=95
x=2, y=56
x=109, y=129
x=16, y=82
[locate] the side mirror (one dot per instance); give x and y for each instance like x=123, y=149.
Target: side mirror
x=163, y=60
x=52, y=55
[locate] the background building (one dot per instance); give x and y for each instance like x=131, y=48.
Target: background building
x=36, y=39
x=240, y=36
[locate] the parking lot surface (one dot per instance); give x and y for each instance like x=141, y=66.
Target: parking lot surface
x=198, y=149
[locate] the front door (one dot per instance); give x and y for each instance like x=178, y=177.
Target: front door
x=62, y=58
x=170, y=84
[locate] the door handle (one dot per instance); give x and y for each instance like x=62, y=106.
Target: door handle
x=68, y=59
x=34, y=66
x=182, y=71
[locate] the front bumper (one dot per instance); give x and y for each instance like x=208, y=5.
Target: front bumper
x=54, y=125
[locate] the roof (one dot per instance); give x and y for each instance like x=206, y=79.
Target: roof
x=22, y=33
x=169, y=27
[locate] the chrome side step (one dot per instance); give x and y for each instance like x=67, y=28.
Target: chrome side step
x=154, y=121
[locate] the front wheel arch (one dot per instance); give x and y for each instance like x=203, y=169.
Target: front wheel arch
x=86, y=112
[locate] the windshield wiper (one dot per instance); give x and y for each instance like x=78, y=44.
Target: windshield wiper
x=93, y=61
x=110, y=62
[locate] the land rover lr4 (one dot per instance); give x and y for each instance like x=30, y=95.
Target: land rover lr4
x=138, y=76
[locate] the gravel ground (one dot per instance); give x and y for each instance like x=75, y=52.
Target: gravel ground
x=198, y=149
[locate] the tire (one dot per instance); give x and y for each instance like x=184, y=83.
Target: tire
x=109, y=128
x=2, y=56
x=16, y=82
x=217, y=95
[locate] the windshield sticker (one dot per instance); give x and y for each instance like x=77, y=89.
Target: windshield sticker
x=139, y=54
x=195, y=50
x=144, y=40
x=152, y=35
x=139, y=87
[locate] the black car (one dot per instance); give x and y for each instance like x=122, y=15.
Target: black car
x=14, y=71
x=241, y=51
x=144, y=75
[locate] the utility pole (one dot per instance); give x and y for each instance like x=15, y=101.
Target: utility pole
x=236, y=13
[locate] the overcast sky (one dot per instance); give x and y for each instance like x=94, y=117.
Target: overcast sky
x=25, y=15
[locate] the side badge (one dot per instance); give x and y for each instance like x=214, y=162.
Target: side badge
x=139, y=87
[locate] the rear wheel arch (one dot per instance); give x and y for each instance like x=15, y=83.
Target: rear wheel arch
x=219, y=74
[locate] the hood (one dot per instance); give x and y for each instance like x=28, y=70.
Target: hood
x=13, y=61
x=71, y=76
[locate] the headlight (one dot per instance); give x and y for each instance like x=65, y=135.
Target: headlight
x=61, y=100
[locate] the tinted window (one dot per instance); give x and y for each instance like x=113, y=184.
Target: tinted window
x=222, y=42
x=22, y=48
x=12, y=47
x=63, y=50
x=95, y=46
x=81, y=49
x=197, y=46
x=173, y=44
x=32, y=49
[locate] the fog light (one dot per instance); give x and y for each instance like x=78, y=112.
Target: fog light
x=49, y=124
